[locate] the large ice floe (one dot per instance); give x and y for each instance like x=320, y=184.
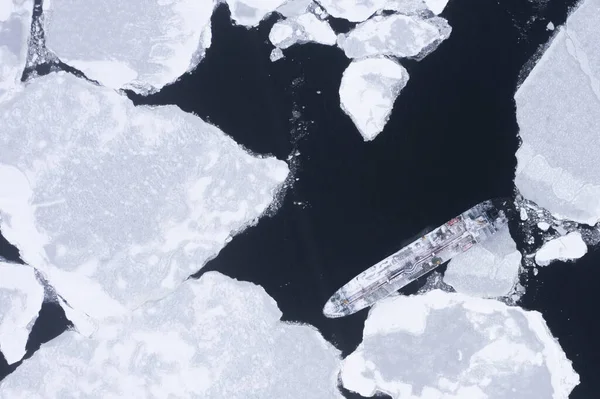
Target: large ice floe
x=15, y=23
x=400, y=36
x=21, y=297
x=368, y=90
x=489, y=269
x=250, y=12
x=115, y=204
x=558, y=109
x=138, y=45
x=453, y=346
x=568, y=247
x=212, y=338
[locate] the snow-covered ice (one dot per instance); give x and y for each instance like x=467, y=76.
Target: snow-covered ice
x=212, y=338
x=21, y=297
x=395, y=35
x=116, y=44
x=353, y=10
x=452, y=346
x=489, y=269
x=115, y=204
x=568, y=247
x=302, y=29
x=250, y=12
x=368, y=90
x=15, y=24
x=558, y=109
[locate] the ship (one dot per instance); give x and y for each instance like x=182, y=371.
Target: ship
x=419, y=258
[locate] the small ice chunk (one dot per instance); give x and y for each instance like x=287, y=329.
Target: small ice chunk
x=212, y=338
x=543, y=226
x=449, y=345
x=15, y=24
x=558, y=112
x=550, y=26
x=352, y=10
x=489, y=269
x=523, y=214
x=276, y=54
x=116, y=204
x=21, y=297
x=563, y=248
x=250, y=12
x=294, y=8
x=396, y=35
x=368, y=90
x=115, y=44
x=303, y=29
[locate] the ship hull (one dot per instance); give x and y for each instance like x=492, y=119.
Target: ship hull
x=418, y=258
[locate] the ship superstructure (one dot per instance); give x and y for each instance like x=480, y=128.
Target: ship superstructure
x=418, y=258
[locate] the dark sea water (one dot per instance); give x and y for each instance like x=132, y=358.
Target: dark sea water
x=450, y=143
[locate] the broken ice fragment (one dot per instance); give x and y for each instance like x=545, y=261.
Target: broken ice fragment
x=276, y=54
x=115, y=204
x=21, y=297
x=563, y=248
x=15, y=23
x=448, y=345
x=396, y=35
x=489, y=269
x=115, y=44
x=368, y=90
x=250, y=12
x=352, y=10
x=212, y=338
x=558, y=108
x=303, y=29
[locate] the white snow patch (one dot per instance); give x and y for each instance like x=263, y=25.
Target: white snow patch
x=558, y=108
x=21, y=297
x=250, y=12
x=368, y=90
x=489, y=269
x=15, y=25
x=563, y=248
x=212, y=338
x=115, y=204
x=396, y=35
x=303, y=29
x=353, y=10
x=453, y=346
x=116, y=44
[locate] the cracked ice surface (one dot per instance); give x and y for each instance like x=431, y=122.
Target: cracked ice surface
x=368, y=90
x=15, y=24
x=21, y=297
x=250, y=12
x=489, y=269
x=396, y=35
x=225, y=341
x=352, y=10
x=117, y=204
x=302, y=29
x=558, y=109
x=563, y=248
x=454, y=346
x=116, y=44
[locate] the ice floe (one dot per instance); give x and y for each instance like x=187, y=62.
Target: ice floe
x=295, y=8
x=250, y=12
x=395, y=35
x=302, y=29
x=115, y=204
x=21, y=297
x=138, y=45
x=212, y=338
x=368, y=90
x=412, y=7
x=558, y=109
x=15, y=24
x=568, y=247
x=353, y=10
x=452, y=346
x=489, y=269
